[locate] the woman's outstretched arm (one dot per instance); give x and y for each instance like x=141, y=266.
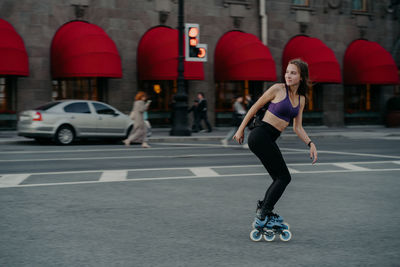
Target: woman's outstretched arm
x=262, y=101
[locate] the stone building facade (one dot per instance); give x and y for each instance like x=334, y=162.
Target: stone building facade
x=337, y=23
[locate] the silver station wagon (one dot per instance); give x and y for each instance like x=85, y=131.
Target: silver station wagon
x=67, y=120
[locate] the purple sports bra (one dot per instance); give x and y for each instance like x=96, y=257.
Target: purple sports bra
x=284, y=108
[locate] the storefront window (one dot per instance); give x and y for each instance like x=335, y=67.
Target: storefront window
x=162, y=95
x=301, y=2
x=3, y=95
x=314, y=98
x=7, y=95
x=362, y=104
x=225, y=96
x=8, y=99
x=359, y=5
x=80, y=88
x=314, y=105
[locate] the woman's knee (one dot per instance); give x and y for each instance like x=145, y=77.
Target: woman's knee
x=286, y=179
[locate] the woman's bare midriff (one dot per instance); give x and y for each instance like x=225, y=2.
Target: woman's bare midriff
x=278, y=123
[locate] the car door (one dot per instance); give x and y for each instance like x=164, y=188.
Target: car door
x=81, y=118
x=109, y=121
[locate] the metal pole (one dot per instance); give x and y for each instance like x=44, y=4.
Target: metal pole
x=180, y=106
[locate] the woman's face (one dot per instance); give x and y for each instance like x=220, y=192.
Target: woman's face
x=292, y=75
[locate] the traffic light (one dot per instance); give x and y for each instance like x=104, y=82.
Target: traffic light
x=194, y=51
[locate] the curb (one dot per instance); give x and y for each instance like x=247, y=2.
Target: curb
x=162, y=135
x=173, y=139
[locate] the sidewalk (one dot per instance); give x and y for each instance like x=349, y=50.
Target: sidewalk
x=353, y=132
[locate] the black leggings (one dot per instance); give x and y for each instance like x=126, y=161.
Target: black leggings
x=262, y=144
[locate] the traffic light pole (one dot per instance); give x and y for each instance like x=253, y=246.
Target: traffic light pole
x=180, y=106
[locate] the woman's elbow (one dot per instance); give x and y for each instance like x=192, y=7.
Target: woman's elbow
x=297, y=129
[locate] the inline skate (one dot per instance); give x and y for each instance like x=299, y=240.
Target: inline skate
x=276, y=217
x=268, y=228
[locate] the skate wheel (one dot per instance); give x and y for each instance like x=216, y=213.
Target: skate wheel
x=255, y=235
x=253, y=225
x=269, y=235
x=286, y=235
x=286, y=226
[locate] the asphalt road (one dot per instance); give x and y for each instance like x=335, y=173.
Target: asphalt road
x=192, y=204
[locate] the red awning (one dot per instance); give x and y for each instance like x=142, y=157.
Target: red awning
x=13, y=56
x=242, y=56
x=82, y=49
x=322, y=64
x=157, y=57
x=368, y=62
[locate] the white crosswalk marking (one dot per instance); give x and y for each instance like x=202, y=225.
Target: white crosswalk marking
x=187, y=173
x=203, y=172
x=351, y=167
x=293, y=170
x=10, y=180
x=113, y=176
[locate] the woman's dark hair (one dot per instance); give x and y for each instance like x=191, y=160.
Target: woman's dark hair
x=305, y=83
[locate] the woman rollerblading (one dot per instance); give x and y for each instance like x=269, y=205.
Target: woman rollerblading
x=286, y=102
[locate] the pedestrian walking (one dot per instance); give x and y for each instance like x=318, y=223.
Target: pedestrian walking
x=238, y=114
x=196, y=116
x=203, y=111
x=139, y=132
x=286, y=102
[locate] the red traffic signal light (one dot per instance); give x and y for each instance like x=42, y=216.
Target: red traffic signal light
x=202, y=52
x=193, y=32
x=194, y=51
x=193, y=42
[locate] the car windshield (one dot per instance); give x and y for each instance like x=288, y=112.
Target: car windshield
x=48, y=106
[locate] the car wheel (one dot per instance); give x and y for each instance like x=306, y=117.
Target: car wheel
x=65, y=135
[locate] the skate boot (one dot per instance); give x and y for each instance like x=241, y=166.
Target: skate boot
x=268, y=228
x=279, y=220
x=277, y=217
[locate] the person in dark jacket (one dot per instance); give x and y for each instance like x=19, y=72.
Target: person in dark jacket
x=203, y=111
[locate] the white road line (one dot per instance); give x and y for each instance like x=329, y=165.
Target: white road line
x=113, y=176
x=396, y=162
x=130, y=157
x=351, y=167
x=12, y=180
x=291, y=170
x=131, y=149
x=191, y=177
x=344, y=153
x=290, y=165
x=203, y=172
x=195, y=144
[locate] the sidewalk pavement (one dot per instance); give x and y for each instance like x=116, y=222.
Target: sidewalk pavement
x=353, y=132
x=218, y=133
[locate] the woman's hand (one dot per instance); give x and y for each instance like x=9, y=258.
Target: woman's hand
x=239, y=136
x=313, y=153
